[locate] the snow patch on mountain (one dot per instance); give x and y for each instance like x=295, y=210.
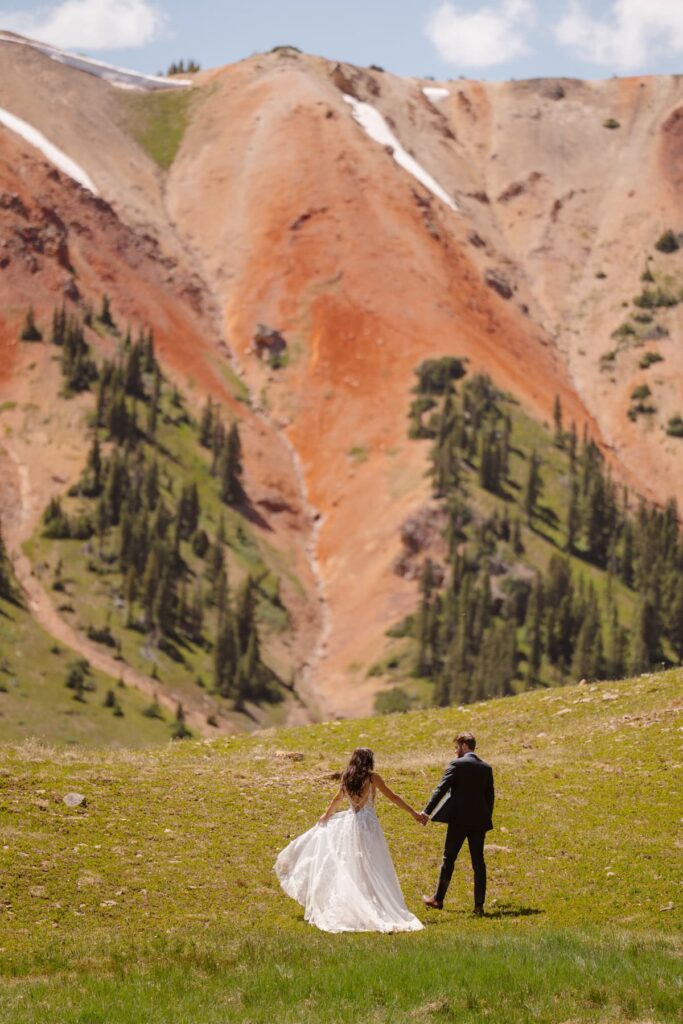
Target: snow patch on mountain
x=119, y=77
x=55, y=155
x=372, y=122
x=435, y=94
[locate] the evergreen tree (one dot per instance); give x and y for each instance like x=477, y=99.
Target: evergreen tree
x=58, y=332
x=206, y=425
x=534, y=486
x=573, y=515
x=153, y=411
x=557, y=420
x=617, y=646
x=226, y=655
x=29, y=331
x=180, y=730
x=230, y=467
x=534, y=630
x=105, y=316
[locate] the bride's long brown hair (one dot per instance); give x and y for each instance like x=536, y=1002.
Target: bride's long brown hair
x=358, y=770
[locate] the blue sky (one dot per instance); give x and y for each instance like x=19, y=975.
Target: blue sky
x=492, y=39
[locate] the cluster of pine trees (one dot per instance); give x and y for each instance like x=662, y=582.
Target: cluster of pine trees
x=145, y=524
x=487, y=628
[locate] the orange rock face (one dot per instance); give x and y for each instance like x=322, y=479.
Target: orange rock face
x=279, y=209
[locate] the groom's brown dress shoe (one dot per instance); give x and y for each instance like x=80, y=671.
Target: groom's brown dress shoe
x=478, y=911
x=434, y=904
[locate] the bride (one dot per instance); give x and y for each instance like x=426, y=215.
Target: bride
x=341, y=870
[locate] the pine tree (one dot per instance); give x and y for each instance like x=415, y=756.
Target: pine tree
x=617, y=646
x=105, y=316
x=230, y=467
x=534, y=631
x=29, y=331
x=58, y=332
x=206, y=425
x=573, y=516
x=188, y=510
x=534, y=486
x=517, y=542
x=165, y=598
x=226, y=655
x=557, y=420
x=196, y=614
x=180, y=730
x=153, y=410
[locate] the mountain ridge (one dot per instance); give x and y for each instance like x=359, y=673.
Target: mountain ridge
x=292, y=216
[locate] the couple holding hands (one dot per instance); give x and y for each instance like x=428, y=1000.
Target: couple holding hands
x=341, y=870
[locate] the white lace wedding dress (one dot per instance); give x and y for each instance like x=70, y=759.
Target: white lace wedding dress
x=343, y=875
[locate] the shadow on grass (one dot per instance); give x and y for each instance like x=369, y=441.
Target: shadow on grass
x=510, y=910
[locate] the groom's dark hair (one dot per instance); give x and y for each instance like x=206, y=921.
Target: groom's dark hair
x=466, y=739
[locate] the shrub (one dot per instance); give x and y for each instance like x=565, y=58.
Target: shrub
x=652, y=298
x=392, y=701
x=624, y=330
x=101, y=636
x=675, y=426
x=668, y=242
x=601, y=275
x=649, y=358
x=402, y=628
x=611, y=123
x=640, y=393
x=154, y=710
x=435, y=376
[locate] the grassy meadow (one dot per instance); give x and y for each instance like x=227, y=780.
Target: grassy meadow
x=156, y=901
x=35, y=701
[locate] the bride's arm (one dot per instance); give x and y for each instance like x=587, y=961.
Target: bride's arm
x=336, y=799
x=394, y=797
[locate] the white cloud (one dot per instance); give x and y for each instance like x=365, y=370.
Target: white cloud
x=89, y=24
x=488, y=35
x=633, y=32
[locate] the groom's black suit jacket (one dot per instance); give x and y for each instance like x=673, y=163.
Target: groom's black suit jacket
x=470, y=781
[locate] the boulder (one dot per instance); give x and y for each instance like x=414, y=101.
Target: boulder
x=268, y=342
x=74, y=800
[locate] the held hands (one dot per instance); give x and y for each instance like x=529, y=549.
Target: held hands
x=421, y=817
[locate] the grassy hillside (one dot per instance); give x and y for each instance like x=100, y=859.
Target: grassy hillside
x=34, y=700
x=151, y=465
x=157, y=901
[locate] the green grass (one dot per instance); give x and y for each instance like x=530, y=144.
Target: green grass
x=157, y=900
x=35, y=702
x=157, y=121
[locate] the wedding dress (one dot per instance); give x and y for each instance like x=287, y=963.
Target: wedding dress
x=342, y=874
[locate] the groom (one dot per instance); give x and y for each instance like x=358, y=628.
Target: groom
x=468, y=813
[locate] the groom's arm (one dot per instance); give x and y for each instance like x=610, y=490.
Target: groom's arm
x=447, y=782
x=490, y=793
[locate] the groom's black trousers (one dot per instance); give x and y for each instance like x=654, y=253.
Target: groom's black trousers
x=455, y=837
